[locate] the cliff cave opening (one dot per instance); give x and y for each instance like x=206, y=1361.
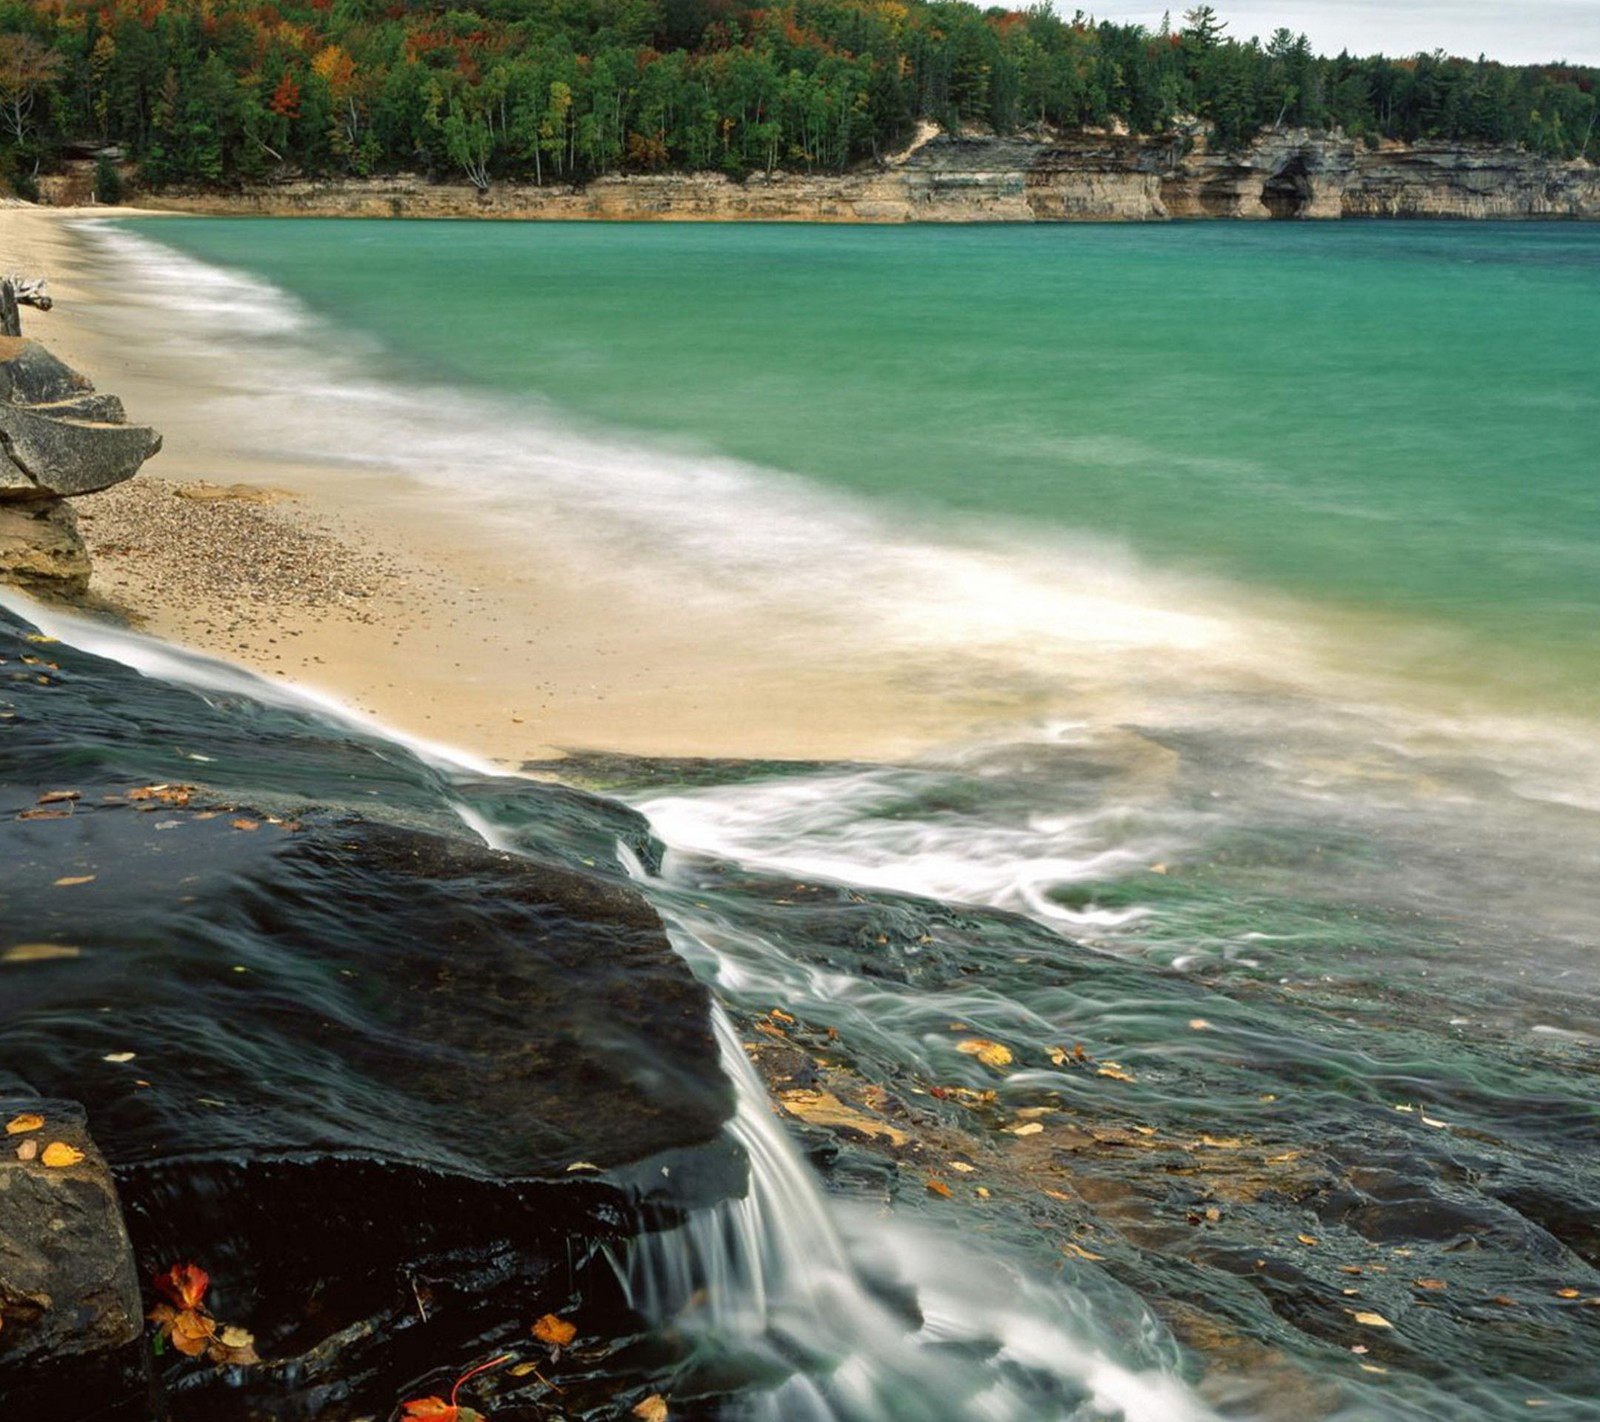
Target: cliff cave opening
x=1287, y=193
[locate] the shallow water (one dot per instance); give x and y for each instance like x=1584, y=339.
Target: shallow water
x=1278, y=549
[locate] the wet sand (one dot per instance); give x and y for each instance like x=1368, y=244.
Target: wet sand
x=393, y=602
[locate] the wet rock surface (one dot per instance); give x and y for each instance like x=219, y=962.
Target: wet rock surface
x=390, y=1088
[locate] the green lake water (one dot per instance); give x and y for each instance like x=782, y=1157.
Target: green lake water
x=1400, y=421
x=1291, y=535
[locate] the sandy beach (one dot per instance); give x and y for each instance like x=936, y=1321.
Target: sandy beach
x=394, y=603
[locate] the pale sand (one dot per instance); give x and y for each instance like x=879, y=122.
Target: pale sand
x=509, y=654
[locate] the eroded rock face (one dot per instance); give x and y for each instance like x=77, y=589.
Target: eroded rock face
x=59, y=438
x=40, y=547
x=1089, y=177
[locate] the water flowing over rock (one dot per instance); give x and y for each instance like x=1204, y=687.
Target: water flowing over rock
x=375, y=1078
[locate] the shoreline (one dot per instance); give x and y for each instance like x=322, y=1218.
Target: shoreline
x=376, y=592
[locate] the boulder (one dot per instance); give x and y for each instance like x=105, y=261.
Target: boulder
x=68, y=1289
x=40, y=547
x=48, y=455
x=30, y=375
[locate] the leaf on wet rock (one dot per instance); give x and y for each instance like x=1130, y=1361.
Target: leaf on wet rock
x=59, y=797
x=118, y=1057
x=652, y=1409
x=1077, y=1251
x=938, y=1187
x=27, y=1150
x=37, y=952
x=1114, y=1071
x=991, y=1054
x=429, y=1409
x=244, y=824
x=1031, y=1128
x=58, y=1155
x=1567, y=1293
x=184, y=1284
x=1370, y=1320
x=1434, y=1284
x=69, y=881
x=555, y=1332
x=27, y=1121
x=823, y=1108
x=1308, y=1239
x=234, y=1347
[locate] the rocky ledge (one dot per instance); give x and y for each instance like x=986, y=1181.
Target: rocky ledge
x=395, y=1092
x=59, y=439
x=1090, y=177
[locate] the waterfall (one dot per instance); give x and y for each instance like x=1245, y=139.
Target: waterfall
x=818, y=1316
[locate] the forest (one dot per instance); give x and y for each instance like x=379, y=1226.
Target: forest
x=220, y=92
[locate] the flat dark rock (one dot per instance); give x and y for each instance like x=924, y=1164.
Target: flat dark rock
x=346, y=988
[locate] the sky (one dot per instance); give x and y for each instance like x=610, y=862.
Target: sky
x=1513, y=31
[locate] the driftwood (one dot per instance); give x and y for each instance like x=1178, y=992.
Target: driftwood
x=17, y=291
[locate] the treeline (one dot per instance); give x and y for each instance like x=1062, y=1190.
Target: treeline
x=218, y=91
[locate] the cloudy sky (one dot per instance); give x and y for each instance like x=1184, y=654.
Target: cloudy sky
x=1515, y=31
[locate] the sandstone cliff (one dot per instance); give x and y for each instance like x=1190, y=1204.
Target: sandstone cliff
x=1078, y=177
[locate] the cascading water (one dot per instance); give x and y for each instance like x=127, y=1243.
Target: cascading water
x=876, y=1321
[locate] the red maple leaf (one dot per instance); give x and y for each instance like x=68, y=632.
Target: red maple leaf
x=184, y=1284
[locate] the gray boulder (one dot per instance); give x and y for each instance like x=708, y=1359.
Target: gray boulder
x=48, y=455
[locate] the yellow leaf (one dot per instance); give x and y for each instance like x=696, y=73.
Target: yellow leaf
x=27, y=1150
x=118, y=1057
x=557, y=1332
x=59, y=1154
x=991, y=1054
x=1430, y=1284
x=1372, y=1320
x=242, y=824
x=1566, y=1293
x=652, y=1409
x=27, y=1121
x=37, y=952
x=1198, y=1024
x=1079, y=1252
x=1031, y=1129
x=1310, y=1239
x=1115, y=1072
x=71, y=879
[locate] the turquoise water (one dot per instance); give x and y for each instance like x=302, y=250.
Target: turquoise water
x=1289, y=536
x=1396, y=421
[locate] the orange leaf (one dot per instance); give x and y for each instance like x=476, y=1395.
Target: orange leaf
x=27, y=1121
x=184, y=1284
x=938, y=1187
x=429, y=1409
x=991, y=1054
x=557, y=1332
x=191, y=1332
x=59, y=1154
x=652, y=1409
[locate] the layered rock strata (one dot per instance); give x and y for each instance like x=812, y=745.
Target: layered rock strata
x=1089, y=177
x=59, y=439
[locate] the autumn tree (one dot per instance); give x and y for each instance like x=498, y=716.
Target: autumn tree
x=27, y=68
